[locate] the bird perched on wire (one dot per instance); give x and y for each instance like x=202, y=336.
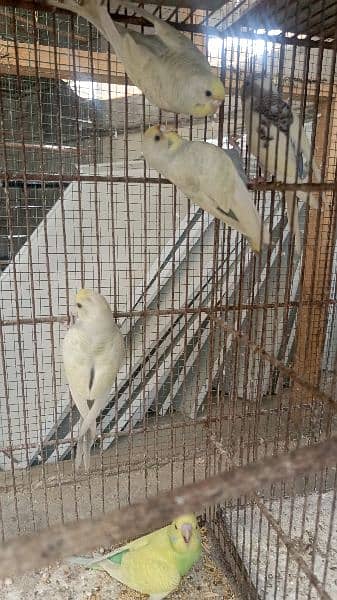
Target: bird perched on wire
x=93, y=352
x=155, y=563
x=278, y=140
x=168, y=68
x=209, y=176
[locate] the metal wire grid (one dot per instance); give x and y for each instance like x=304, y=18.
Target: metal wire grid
x=185, y=291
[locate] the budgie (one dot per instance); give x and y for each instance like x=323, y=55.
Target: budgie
x=93, y=352
x=270, y=122
x=209, y=176
x=168, y=68
x=155, y=563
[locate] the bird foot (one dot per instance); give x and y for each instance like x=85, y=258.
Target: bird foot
x=258, y=179
x=233, y=140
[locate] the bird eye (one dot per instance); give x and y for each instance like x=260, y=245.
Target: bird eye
x=157, y=138
x=208, y=93
x=78, y=305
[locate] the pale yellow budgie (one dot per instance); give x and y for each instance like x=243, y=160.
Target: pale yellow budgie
x=93, y=352
x=155, y=563
x=171, y=72
x=270, y=123
x=210, y=177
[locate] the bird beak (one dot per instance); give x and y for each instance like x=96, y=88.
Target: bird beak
x=186, y=531
x=217, y=103
x=218, y=91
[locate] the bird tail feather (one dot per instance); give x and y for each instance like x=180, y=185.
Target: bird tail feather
x=84, y=443
x=312, y=198
x=90, y=419
x=250, y=220
x=293, y=220
x=79, y=454
x=317, y=177
x=88, y=563
x=308, y=197
x=88, y=440
x=80, y=561
x=265, y=234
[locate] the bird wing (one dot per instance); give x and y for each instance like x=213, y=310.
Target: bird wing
x=230, y=195
x=273, y=111
x=141, y=542
x=152, y=43
x=237, y=162
x=148, y=573
x=107, y=363
x=78, y=364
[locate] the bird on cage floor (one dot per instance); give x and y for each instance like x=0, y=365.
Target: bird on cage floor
x=278, y=140
x=155, y=563
x=167, y=67
x=93, y=353
x=211, y=177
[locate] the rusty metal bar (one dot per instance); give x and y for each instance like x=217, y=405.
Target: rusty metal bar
x=256, y=186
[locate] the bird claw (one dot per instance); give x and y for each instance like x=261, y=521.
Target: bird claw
x=258, y=179
x=233, y=141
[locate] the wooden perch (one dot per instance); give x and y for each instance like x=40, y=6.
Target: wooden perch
x=29, y=552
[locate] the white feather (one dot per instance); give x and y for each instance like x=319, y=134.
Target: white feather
x=208, y=177
x=279, y=157
x=93, y=352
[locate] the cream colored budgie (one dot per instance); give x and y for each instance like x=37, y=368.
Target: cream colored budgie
x=269, y=123
x=93, y=352
x=171, y=72
x=155, y=563
x=209, y=176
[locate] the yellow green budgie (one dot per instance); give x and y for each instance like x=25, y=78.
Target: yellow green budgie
x=155, y=563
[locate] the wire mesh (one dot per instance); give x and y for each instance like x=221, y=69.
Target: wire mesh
x=231, y=357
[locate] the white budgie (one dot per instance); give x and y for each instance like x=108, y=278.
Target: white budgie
x=171, y=72
x=93, y=352
x=209, y=176
x=269, y=123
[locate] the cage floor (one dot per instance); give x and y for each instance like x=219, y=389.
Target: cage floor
x=65, y=582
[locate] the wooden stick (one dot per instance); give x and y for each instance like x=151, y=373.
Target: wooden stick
x=28, y=552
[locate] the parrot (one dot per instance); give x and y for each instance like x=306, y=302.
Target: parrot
x=155, y=563
x=270, y=122
x=211, y=177
x=93, y=352
x=167, y=67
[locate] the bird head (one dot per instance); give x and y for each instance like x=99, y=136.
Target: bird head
x=207, y=95
x=184, y=534
x=158, y=143
x=256, y=84
x=89, y=302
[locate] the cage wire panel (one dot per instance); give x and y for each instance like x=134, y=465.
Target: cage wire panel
x=227, y=352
